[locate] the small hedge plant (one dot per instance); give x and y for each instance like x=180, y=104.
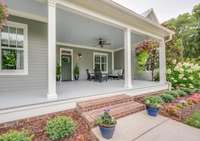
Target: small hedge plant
x=16, y=136
x=60, y=127
x=194, y=120
x=188, y=90
x=167, y=97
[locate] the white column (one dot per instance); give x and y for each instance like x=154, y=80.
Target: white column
x=134, y=61
x=162, y=62
x=113, y=61
x=51, y=49
x=127, y=58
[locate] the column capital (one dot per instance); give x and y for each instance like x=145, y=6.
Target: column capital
x=127, y=30
x=162, y=43
x=52, y=3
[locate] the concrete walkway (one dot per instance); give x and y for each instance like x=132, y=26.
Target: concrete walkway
x=141, y=127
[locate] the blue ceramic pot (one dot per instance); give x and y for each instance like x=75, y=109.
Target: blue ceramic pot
x=107, y=132
x=152, y=111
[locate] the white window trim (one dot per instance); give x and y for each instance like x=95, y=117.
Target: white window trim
x=25, y=70
x=104, y=54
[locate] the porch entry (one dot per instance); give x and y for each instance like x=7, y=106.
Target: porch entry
x=66, y=63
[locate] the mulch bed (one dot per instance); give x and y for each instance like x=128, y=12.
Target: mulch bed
x=36, y=126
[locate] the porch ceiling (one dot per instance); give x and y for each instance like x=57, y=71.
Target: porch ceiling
x=76, y=29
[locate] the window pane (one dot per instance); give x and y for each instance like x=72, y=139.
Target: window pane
x=97, y=66
x=4, y=37
x=12, y=59
x=20, y=60
x=13, y=36
x=103, y=67
x=97, y=59
x=103, y=59
x=20, y=38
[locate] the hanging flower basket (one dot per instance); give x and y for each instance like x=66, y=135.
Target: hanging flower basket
x=3, y=14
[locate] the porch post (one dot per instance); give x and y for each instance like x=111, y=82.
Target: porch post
x=51, y=49
x=127, y=58
x=162, y=62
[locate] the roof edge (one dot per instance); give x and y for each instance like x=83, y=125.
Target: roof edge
x=131, y=12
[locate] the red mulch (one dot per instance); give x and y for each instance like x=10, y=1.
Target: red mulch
x=36, y=126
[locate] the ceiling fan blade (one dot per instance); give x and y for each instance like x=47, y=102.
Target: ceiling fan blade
x=107, y=44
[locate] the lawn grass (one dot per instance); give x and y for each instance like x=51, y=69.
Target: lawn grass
x=194, y=120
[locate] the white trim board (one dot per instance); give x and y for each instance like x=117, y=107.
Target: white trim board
x=83, y=47
x=72, y=65
x=118, y=49
x=27, y=15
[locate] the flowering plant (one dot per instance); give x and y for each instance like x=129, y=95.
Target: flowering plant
x=195, y=98
x=148, y=56
x=184, y=74
x=106, y=119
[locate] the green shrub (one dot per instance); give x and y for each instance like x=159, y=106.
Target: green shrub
x=60, y=127
x=16, y=136
x=194, y=120
x=197, y=90
x=188, y=90
x=173, y=93
x=167, y=98
x=181, y=93
x=154, y=101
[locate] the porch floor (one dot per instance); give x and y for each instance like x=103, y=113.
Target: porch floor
x=68, y=90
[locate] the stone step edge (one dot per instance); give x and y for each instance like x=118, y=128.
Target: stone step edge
x=102, y=105
x=99, y=100
x=139, y=108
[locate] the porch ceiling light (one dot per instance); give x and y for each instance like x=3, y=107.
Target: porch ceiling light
x=79, y=55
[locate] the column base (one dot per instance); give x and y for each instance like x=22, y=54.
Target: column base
x=52, y=96
x=128, y=86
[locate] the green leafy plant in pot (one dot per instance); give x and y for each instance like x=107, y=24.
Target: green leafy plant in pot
x=153, y=105
x=106, y=124
x=76, y=72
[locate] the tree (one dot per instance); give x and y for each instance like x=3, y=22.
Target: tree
x=186, y=41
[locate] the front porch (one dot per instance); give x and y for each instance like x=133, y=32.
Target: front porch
x=72, y=90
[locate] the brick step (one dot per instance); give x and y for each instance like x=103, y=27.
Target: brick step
x=117, y=111
x=102, y=102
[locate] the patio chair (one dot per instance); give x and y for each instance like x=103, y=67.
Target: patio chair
x=99, y=76
x=90, y=76
x=117, y=74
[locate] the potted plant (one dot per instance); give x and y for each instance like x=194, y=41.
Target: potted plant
x=76, y=72
x=58, y=72
x=106, y=124
x=153, y=105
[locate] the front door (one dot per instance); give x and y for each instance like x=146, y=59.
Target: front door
x=66, y=67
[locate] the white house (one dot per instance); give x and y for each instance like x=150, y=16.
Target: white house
x=41, y=34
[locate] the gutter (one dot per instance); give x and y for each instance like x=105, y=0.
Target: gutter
x=170, y=38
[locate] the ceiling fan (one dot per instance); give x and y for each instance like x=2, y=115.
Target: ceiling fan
x=102, y=43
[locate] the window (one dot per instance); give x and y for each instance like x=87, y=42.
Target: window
x=13, y=49
x=101, y=62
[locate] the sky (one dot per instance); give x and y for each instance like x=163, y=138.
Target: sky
x=164, y=9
